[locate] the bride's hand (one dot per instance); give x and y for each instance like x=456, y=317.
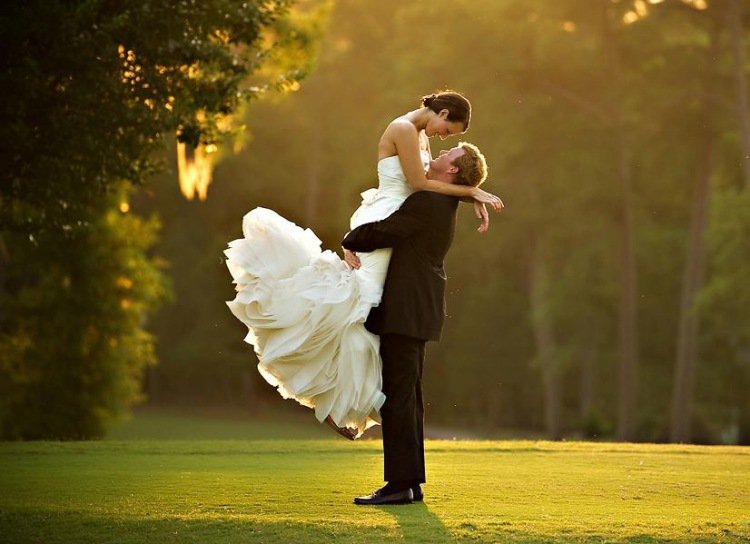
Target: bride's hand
x=487, y=198
x=480, y=209
x=351, y=260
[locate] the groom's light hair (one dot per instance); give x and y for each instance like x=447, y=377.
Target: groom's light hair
x=472, y=166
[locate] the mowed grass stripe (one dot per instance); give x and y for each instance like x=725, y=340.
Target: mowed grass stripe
x=301, y=491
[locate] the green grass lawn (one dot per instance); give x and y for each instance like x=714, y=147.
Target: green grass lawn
x=300, y=490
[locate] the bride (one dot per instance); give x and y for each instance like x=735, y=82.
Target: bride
x=305, y=308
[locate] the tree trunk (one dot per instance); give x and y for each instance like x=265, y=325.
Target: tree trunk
x=735, y=22
x=743, y=416
x=545, y=342
x=4, y=261
x=736, y=33
x=588, y=368
x=627, y=370
x=693, y=275
x=628, y=334
x=248, y=388
x=152, y=385
x=692, y=282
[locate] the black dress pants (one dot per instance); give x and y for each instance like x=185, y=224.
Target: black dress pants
x=402, y=413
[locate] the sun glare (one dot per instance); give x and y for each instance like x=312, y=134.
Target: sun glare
x=697, y=4
x=630, y=17
x=569, y=26
x=195, y=167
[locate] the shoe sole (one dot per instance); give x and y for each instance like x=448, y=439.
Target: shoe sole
x=396, y=503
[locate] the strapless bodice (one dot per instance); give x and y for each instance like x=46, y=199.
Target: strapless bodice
x=391, y=178
x=392, y=190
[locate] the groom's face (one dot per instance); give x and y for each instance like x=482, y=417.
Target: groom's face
x=443, y=163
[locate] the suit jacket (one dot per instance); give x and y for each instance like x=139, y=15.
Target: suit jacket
x=420, y=233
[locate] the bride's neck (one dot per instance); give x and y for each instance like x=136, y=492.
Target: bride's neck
x=419, y=117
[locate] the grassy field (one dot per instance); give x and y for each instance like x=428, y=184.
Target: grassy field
x=293, y=490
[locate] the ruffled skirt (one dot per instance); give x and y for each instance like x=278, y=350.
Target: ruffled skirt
x=305, y=312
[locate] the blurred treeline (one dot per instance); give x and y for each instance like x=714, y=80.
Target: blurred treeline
x=610, y=299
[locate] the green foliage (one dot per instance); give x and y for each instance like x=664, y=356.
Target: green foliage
x=726, y=298
x=74, y=350
x=90, y=90
x=724, y=306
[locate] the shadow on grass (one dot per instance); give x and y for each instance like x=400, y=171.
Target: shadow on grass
x=417, y=523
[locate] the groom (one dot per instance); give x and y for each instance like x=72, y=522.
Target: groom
x=411, y=312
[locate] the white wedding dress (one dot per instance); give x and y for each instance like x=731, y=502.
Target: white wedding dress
x=305, y=310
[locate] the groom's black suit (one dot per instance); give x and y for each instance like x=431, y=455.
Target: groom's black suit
x=411, y=312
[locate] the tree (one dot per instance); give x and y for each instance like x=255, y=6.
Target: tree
x=722, y=303
x=91, y=89
x=73, y=347
x=694, y=270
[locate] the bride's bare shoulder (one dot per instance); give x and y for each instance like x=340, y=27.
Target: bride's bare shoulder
x=401, y=125
x=399, y=133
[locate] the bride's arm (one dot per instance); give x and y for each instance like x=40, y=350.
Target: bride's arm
x=406, y=140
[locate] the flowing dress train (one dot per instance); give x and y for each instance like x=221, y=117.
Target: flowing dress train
x=305, y=310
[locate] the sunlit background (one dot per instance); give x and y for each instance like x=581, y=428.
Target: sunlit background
x=610, y=299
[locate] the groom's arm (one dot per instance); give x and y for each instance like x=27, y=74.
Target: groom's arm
x=409, y=219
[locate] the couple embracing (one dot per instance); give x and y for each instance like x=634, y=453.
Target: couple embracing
x=347, y=338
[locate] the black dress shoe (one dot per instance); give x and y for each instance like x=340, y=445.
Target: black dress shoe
x=417, y=492
x=405, y=496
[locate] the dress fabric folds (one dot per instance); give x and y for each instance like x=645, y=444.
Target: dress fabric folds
x=305, y=310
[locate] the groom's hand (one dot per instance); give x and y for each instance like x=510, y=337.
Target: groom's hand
x=351, y=259
x=480, y=210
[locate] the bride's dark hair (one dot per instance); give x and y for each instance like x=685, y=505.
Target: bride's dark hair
x=458, y=106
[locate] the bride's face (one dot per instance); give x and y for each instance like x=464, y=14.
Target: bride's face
x=439, y=125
